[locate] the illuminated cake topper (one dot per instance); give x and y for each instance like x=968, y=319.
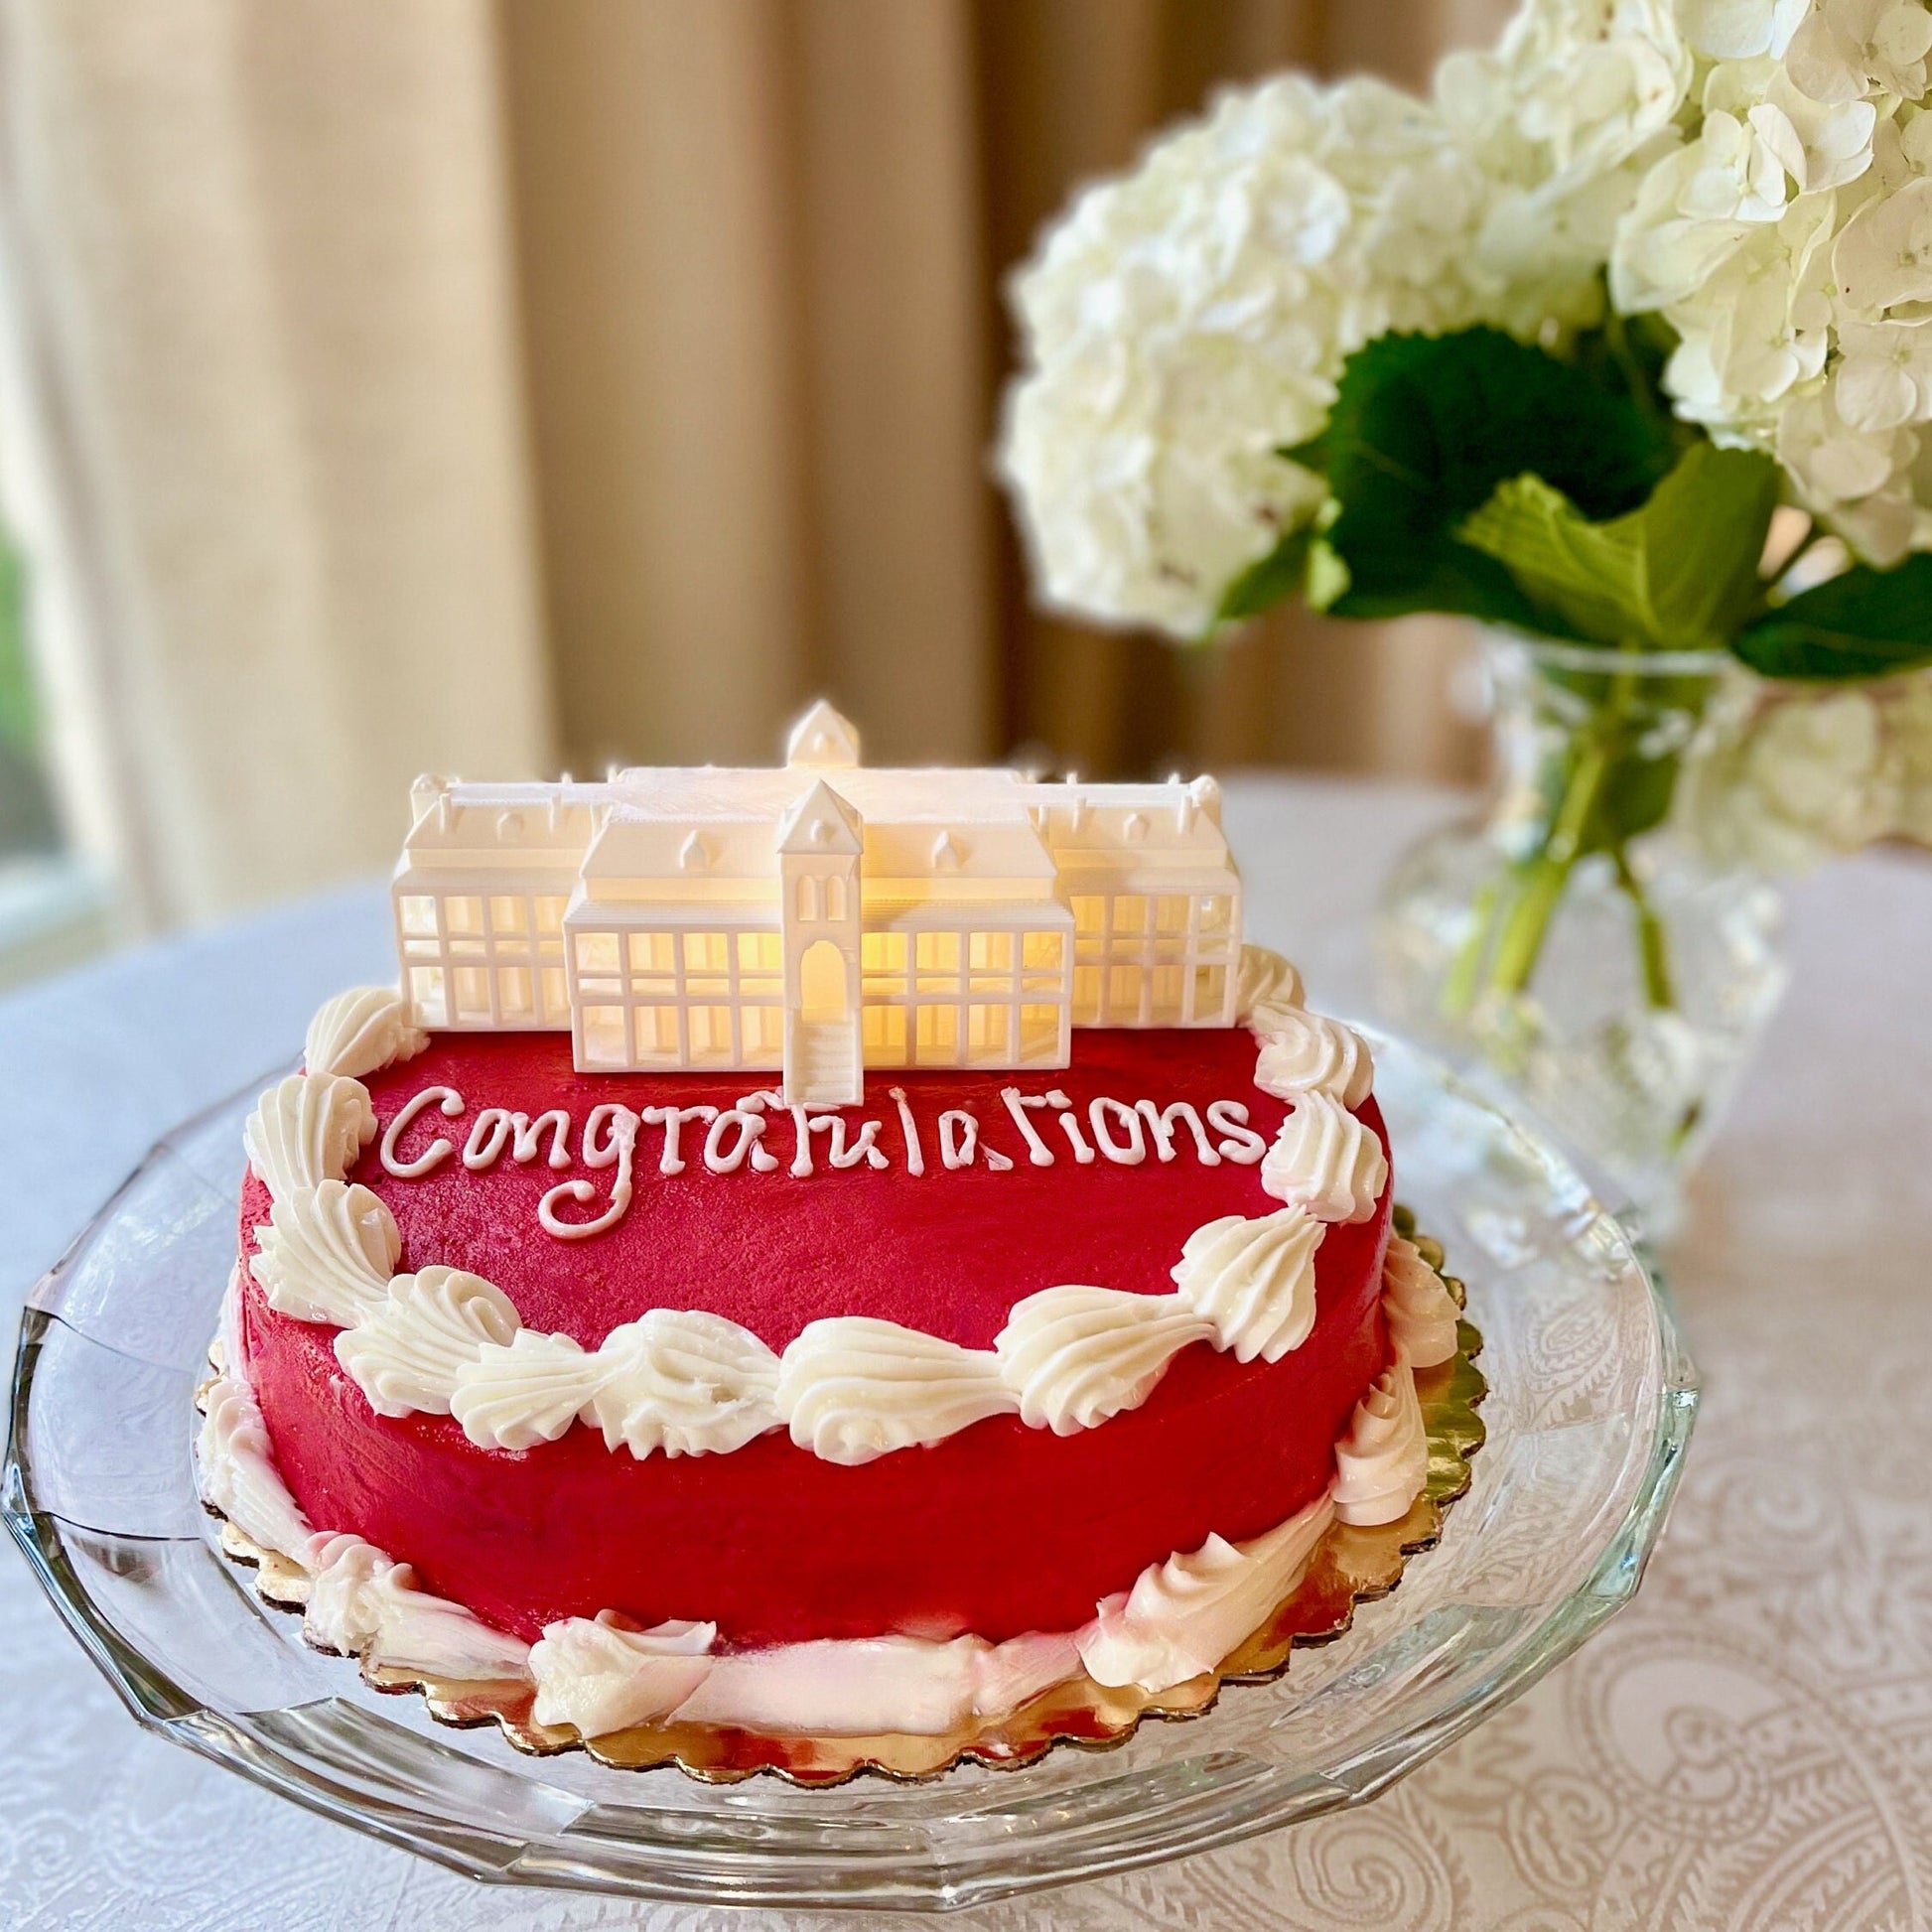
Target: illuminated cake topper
x=817, y=918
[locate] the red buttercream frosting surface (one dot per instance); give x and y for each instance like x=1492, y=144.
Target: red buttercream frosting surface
x=998, y=1529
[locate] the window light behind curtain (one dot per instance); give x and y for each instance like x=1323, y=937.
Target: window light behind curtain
x=433, y=385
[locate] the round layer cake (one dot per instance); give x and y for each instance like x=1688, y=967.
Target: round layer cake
x=565, y=1375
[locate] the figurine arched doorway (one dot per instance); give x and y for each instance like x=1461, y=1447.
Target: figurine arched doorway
x=823, y=985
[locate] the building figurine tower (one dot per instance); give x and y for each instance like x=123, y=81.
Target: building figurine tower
x=817, y=919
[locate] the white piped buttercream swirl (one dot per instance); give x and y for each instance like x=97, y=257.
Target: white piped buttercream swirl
x=308, y=1129
x=854, y=1388
x=1254, y=1281
x=685, y=1383
x=1186, y=1616
x=1382, y=1463
x=407, y=1354
x=326, y=1254
x=1308, y=1053
x=362, y=1032
x=1419, y=1310
x=530, y=1390
x=1264, y=979
x=1077, y=1355
x=1324, y=1160
x=362, y=1602
x=238, y=1473
x=599, y=1676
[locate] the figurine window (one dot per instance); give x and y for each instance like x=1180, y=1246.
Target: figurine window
x=1043, y=952
x=990, y=952
x=1040, y=1036
x=427, y=996
x=550, y=915
x=937, y=952
x=601, y=1043
x=808, y=898
x=986, y=1032
x=509, y=915
x=514, y=999
x=655, y=1029
x=1214, y=913
x=462, y=917
x=597, y=952
x=835, y=897
x=760, y=952
x=884, y=1035
x=417, y=913
x=883, y=952
x=1089, y=914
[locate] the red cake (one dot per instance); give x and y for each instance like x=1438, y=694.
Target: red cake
x=687, y=1399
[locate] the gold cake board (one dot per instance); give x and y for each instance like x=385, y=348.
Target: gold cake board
x=1351, y=1565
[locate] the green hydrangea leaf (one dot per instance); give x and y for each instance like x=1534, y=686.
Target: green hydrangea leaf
x=1423, y=431
x=1864, y=623
x=1679, y=573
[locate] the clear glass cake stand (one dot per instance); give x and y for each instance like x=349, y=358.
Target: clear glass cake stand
x=1592, y=1400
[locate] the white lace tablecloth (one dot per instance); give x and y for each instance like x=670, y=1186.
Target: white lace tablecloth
x=1748, y=1745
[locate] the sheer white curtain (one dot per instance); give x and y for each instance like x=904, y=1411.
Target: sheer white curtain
x=260, y=261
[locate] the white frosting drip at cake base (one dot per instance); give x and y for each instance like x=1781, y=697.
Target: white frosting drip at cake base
x=1179, y=1618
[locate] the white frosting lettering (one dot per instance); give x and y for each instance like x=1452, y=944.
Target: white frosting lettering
x=1071, y=1123
x=449, y=1103
x=610, y=1139
x=528, y=1134
x=1239, y=1141
x=489, y=1135
x=1017, y=1104
x=737, y=1133
x=1160, y=1127
x=671, y=1120
x=1129, y=1153
x=909, y=1129
x=959, y=1143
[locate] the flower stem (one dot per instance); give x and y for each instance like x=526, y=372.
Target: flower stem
x=1653, y=945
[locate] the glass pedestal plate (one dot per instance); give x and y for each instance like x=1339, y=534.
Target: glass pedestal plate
x=1591, y=1403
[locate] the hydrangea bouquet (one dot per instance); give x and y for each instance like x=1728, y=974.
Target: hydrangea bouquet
x=1622, y=337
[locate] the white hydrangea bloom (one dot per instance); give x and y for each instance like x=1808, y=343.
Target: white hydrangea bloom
x=1789, y=243
x=1795, y=774
x=1757, y=171
x=1186, y=321
x=1183, y=322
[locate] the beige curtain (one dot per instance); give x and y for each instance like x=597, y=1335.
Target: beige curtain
x=261, y=268
x=429, y=384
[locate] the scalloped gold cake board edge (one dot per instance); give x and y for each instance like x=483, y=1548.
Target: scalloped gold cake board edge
x=1351, y=1565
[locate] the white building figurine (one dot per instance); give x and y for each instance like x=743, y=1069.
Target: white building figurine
x=819, y=918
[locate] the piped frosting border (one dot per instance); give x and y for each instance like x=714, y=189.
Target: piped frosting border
x=588, y=1677
x=848, y=1389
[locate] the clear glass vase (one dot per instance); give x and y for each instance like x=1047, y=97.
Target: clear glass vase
x=1573, y=937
